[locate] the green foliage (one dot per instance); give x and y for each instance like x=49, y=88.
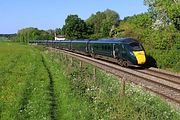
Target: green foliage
x=102, y=22
x=135, y=26
x=96, y=36
x=58, y=31
x=27, y=34
x=140, y=27
x=165, y=11
x=166, y=59
x=96, y=26
x=51, y=31
x=143, y=20
x=74, y=28
x=164, y=39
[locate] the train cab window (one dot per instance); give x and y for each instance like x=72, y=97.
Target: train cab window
x=136, y=46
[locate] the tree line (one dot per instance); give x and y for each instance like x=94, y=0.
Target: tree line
x=28, y=34
x=158, y=29
x=161, y=22
x=8, y=37
x=96, y=26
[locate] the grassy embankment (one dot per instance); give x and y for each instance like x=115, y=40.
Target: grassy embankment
x=38, y=84
x=24, y=83
x=102, y=96
x=31, y=88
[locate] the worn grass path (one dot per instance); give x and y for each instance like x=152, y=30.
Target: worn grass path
x=53, y=101
x=24, y=83
x=33, y=87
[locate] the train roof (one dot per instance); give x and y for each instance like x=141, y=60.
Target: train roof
x=39, y=41
x=112, y=40
x=116, y=40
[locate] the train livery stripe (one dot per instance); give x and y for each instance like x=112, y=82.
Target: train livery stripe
x=140, y=56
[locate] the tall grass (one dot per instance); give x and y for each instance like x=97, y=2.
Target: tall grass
x=24, y=83
x=69, y=107
x=102, y=96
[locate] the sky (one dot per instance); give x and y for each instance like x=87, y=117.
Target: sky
x=51, y=14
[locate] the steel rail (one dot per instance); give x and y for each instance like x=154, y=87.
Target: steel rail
x=175, y=78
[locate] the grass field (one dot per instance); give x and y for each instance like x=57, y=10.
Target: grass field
x=37, y=84
x=24, y=83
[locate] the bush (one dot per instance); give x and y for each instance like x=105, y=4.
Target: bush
x=166, y=59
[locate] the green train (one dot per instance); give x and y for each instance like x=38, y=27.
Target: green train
x=124, y=51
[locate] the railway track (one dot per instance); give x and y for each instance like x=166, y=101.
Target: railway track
x=169, y=76
x=163, y=83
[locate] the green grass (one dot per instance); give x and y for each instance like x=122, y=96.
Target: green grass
x=102, y=96
x=33, y=87
x=38, y=84
x=24, y=83
x=69, y=107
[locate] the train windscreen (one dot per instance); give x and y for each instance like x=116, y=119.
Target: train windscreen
x=135, y=46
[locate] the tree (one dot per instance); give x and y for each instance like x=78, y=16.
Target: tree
x=102, y=22
x=74, y=28
x=27, y=34
x=165, y=12
x=58, y=31
x=51, y=31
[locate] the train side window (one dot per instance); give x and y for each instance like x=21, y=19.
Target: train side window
x=122, y=46
x=109, y=47
x=102, y=47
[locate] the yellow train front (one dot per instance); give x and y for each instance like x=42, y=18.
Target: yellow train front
x=137, y=53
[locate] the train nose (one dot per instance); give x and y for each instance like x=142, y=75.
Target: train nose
x=140, y=56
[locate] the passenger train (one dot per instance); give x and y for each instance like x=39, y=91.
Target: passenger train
x=124, y=51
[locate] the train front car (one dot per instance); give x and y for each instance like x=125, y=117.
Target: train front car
x=136, y=52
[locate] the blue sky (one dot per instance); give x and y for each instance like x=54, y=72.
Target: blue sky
x=51, y=14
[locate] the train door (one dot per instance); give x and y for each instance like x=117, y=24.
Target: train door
x=123, y=50
x=116, y=51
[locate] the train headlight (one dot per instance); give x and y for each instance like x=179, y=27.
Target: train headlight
x=131, y=53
